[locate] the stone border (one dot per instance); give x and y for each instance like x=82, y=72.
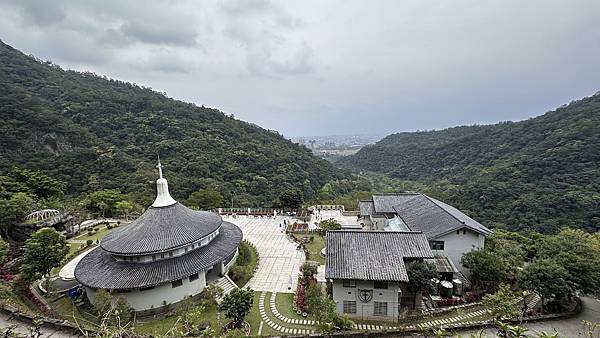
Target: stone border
x=275, y=326
x=59, y=324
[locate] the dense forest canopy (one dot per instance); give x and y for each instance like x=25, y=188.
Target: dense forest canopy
x=94, y=133
x=541, y=174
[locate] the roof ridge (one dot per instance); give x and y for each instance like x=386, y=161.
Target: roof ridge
x=375, y=231
x=446, y=211
x=397, y=193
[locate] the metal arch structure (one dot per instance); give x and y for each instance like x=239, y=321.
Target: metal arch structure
x=41, y=215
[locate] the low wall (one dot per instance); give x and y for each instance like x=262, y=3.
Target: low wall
x=56, y=324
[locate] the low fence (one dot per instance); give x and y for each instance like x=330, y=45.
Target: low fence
x=350, y=213
x=327, y=207
x=250, y=211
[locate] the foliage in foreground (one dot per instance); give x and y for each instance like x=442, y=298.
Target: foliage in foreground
x=237, y=305
x=557, y=265
x=502, y=304
x=245, y=264
x=43, y=251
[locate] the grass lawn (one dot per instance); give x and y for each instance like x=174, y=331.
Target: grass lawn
x=97, y=236
x=74, y=247
x=277, y=320
x=245, y=264
x=159, y=327
x=8, y=296
x=65, y=308
x=284, y=302
x=314, y=247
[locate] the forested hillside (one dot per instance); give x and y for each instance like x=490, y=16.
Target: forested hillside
x=96, y=133
x=540, y=174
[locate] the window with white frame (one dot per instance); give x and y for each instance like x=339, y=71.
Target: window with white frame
x=349, y=306
x=380, y=308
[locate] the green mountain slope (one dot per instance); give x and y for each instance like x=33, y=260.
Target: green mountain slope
x=94, y=133
x=540, y=174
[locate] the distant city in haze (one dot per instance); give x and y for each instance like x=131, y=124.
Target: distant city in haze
x=332, y=147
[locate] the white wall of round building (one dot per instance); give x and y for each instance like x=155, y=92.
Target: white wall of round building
x=158, y=296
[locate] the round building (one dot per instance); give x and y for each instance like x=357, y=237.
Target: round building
x=167, y=254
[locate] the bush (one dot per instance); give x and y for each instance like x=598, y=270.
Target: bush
x=237, y=273
x=245, y=264
x=211, y=293
x=471, y=297
x=309, y=270
x=330, y=224
x=89, y=242
x=450, y=302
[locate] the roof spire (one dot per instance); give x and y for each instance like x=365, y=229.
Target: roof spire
x=163, y=198
x=159, y=166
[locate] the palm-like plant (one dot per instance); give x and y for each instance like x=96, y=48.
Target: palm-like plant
x=544, y=334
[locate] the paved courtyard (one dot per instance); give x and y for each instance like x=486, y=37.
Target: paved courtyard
x=279, y=261
x=337, y=215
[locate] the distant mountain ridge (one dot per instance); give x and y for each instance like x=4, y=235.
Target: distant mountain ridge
x=540, y=174
x=94, y=133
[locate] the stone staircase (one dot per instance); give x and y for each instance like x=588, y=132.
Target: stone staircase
x=226, y=284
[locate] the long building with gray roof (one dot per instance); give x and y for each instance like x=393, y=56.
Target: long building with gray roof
x=450, y=232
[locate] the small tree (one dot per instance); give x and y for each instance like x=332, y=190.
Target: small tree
x=211, y=293
x=190, y=316
x=43, y=251
x=104, y=201
x=502, y=304
x=206, y=199
x=420, y=274
x=4, y=247
x=237, y=305
x=291, y=198
x=546, y=278
x=485, y=266
x=102, y=302
x=112, y=311
x=124, y=208
x=321, y=307
x=330, y=224
x=14, y=210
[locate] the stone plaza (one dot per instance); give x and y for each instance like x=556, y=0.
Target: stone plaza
x=279, y=259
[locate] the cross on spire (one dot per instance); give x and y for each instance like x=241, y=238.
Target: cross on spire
x=159, y=166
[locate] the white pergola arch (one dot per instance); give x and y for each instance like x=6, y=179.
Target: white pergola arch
x=41, y=215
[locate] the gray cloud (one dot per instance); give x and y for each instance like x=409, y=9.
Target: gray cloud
x=45, y=13
x=329, y=67
x=153, y=33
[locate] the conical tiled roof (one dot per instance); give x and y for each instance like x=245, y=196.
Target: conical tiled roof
x=161, y=229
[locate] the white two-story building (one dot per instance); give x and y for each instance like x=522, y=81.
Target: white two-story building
x=450, y=232
x=367, y=270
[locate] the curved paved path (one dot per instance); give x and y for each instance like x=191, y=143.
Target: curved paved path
x=22, y=328
x=567, y=327
x=279, y=260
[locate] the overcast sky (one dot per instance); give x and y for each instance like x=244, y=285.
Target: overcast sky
x=329, y=67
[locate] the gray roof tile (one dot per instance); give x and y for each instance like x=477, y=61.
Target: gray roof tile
x=99, y=269
x=384, y=203
x=160, y=229
x=433, y=217
x=373, y=255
